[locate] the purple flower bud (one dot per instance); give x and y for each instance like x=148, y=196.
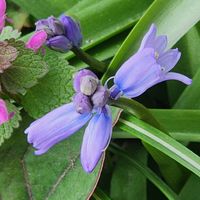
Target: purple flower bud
x=72, y=30
x=79, y=75
x=52, y=26
x=82, y=103
x=100, y=97
x=59, y=43
x=88, y=85
x=56, y=26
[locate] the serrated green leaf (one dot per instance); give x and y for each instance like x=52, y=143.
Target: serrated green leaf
x=52, y=91
x=56, y=175
x=9, y=33
x=25, y=71
x=7, y=128
x=12, y=186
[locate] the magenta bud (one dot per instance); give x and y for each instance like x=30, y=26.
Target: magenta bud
x=4, y=114
x=100, y=97
x=37, y=40
x=79, y=75
x=82, y=103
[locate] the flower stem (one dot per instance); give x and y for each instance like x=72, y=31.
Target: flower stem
x=137, y=109
x=92, y=62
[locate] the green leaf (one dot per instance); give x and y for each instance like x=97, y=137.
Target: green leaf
x=91, y=18
x=147, y=172
x=162, y=142
x=7, y=128
x=9, y=33
x=99, y=195
x=172, y=18
x=190, y=98
x=53, y=90
x=25, y=71
x=12, y=186
x=56, y=175
x=45, y=8
x=188, y=64
x=190, y=190
x=182, y=125
x=127, y=181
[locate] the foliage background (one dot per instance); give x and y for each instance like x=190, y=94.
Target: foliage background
x=112, y=31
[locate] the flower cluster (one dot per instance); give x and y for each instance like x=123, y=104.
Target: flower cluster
x=149, y=66
x=60, y=34
x=89, y=103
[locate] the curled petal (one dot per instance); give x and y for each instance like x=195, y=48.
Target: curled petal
x=37, y=40
x=4, y=115
x=55, y=127
x=178, y=77
x=59, y=43
x=169, y=59
x=96, y=138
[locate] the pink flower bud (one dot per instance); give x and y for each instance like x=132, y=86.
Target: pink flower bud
x=2, y=13
x=37, y=40
x=4, y=115
x=2, y=7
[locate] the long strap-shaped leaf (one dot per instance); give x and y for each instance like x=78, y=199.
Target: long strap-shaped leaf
x=147, y=172
x=162, y=142
x=172, y=17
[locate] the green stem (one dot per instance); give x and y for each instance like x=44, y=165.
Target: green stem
x=137, y=109
x=166, y=164
x=162, y=186
x=92, y=62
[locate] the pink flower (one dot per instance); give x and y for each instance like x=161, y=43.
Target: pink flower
x=37, y=40
x=2, y=13
x=4, y=115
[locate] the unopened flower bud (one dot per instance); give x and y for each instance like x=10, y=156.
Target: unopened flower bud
x=37, y=40
x=88, y=85
x=72, y=30
x=59, y=43
x=4, y=115
x=100, y=97
x=79, y=75
x=82, y=103
x=52, y=26
x=2, y=13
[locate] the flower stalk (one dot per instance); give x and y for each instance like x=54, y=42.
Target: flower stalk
x=92, y=62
